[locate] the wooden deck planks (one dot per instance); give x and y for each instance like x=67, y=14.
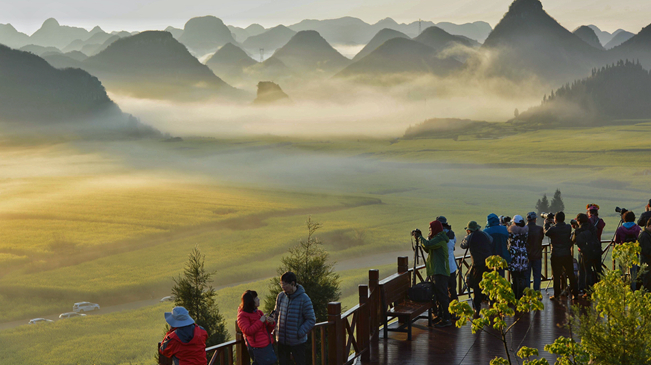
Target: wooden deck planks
x=453, y=345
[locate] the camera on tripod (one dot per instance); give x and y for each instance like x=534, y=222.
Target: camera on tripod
x=547, y=216
x=416, y=233
x=621, y=210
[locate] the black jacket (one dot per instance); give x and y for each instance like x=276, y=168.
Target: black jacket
x=643, y=219
x=587, y=239
x=561, y=238
x=534, y=241
x=480, y=245
x=645, y=244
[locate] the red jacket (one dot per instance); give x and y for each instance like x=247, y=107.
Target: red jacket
x=182, y=348
x=256, y=332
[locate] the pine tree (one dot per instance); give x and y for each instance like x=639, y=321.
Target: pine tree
x=542, y=206
x=308, y=260
x=557, y=203
x=193, y=291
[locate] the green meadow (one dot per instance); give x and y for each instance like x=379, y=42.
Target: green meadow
x=113, y=222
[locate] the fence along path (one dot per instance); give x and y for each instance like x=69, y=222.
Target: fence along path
x=350, y=337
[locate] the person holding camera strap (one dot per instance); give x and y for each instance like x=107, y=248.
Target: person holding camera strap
x=560, y=235
x=438, y=268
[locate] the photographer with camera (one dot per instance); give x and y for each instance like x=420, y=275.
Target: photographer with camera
x=629, y=231
x=452, y=281
x=586, y=238
x=438, y=267
x=646, y=216
x=561, y=242
x=598, y=223
x=479, y=244
x=500, y=238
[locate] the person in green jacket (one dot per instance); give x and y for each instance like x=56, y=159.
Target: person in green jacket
x=438, y=269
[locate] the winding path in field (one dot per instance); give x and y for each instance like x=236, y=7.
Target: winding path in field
x=370, y=262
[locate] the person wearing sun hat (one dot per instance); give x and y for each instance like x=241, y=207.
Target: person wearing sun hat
x=185, y=342
x=479, y=243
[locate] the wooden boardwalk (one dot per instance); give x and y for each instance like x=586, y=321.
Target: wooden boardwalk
x=453, y=345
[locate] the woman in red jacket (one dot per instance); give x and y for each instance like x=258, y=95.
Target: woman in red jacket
x=256, y=328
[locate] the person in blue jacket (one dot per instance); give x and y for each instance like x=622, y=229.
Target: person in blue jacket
x=500, y=235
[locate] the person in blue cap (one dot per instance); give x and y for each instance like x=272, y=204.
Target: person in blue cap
x=185, y=342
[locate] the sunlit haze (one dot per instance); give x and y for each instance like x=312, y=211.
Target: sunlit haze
x=27, y=16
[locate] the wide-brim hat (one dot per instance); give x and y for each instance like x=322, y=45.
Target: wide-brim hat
x=473, y=226
x=179, y=317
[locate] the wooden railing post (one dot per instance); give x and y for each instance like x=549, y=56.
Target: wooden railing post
x=403, y=264
x=241, y=351
x=374, y=303
x=363, y=329
x=336, y=335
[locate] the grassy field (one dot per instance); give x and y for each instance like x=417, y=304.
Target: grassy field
x=113, y=222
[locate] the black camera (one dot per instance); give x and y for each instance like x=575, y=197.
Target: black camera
x=621, y=210
x=416, y=233
x=574, y=223
x=547, y=216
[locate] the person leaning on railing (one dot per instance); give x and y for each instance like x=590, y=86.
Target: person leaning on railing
x=438, y=268
x=479, y=244
x=561, y=242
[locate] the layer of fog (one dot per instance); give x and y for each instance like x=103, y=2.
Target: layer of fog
x=330, y=107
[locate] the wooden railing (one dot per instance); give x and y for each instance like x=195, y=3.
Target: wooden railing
x=346, y=337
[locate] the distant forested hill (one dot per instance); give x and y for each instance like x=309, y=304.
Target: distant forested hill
x=34, y=94
x=618, y=91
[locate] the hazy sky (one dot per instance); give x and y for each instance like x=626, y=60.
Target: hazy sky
x=28, y=15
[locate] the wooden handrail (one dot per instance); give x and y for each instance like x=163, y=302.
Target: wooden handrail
x=348, y=336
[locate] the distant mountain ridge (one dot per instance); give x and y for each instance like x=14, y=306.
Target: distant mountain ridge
x=589, y=36
x=399, y=56
x=308, y=52
x=34, y=96
x=154, y=64
x=206, y=34
x=229, y=62
x=270, y=40
x=381, y=37
x=618, y=91
x=527, y=41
